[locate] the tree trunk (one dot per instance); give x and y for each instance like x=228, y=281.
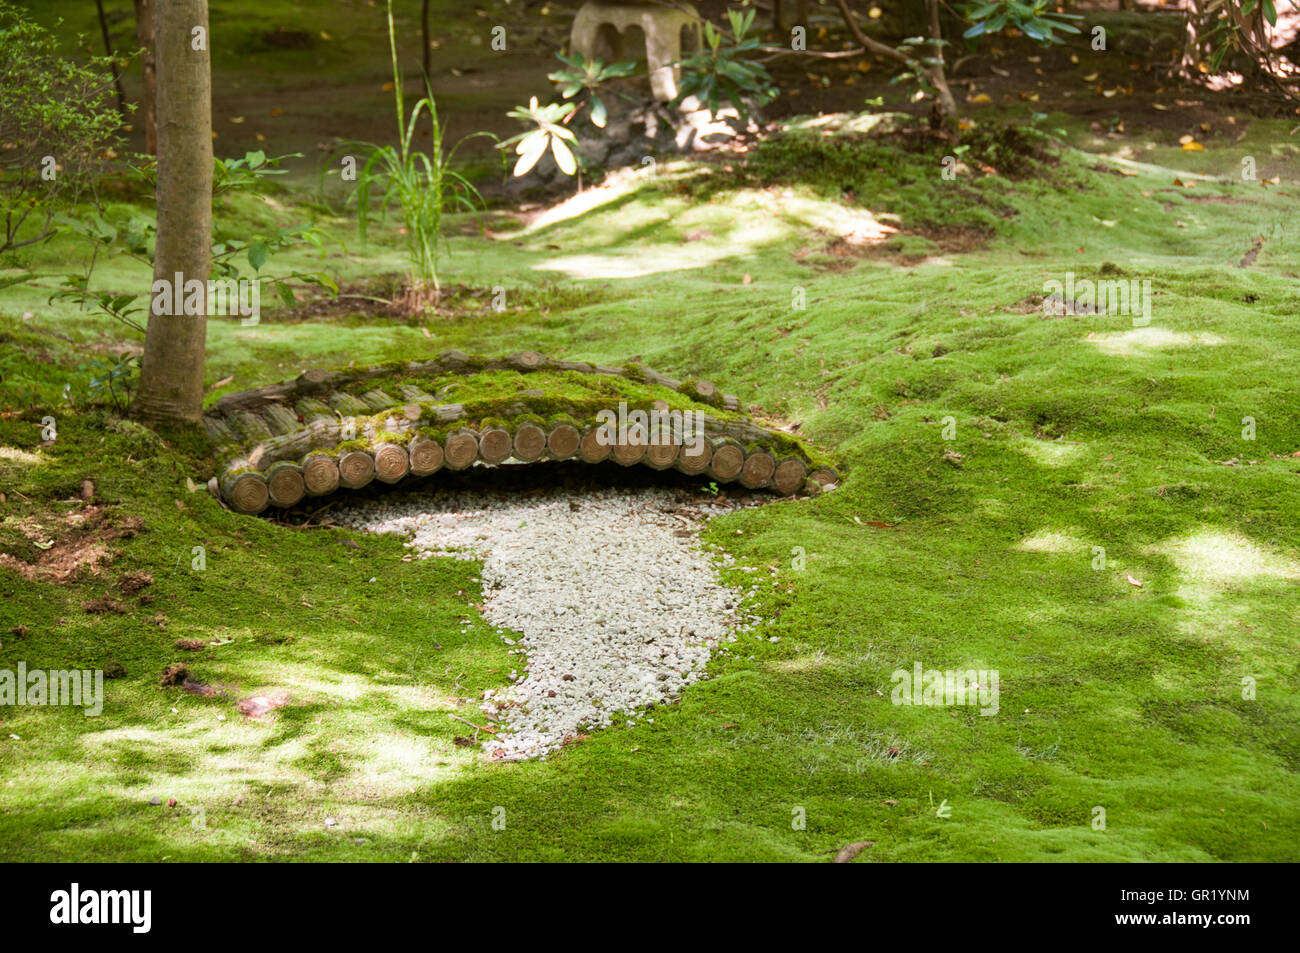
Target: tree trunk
x=171, y=372
x=144, y=36
x=112, y=60
x=936, y=74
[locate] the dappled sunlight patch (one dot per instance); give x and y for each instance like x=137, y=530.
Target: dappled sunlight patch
x=802, y=663
x=618, y=184
x=391, y=762
x=731, y=226
x=308, y=685
x=1046, y=541
x=1050, y=453
x=1211, y=561
x=22, y=458
x=1142, y=341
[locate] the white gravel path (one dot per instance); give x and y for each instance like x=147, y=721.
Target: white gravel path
x=618, y=607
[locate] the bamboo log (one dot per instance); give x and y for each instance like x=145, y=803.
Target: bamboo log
x=310, y=382
x=249, y=428
x=285, y=485
x=563, y=441
x=757, y=469
x=727, y=460
x=320, y=473
x=530, y=442
x=219, y=432
x=391, y=462
x=462, y=448
x=312, y=410
x=494, y=445
x=596, y=444
x=280, y=419
x=347, y=404
x=244, y=490
x=413, y=393
x=789, y=476
x=356, y=469
x=426, y=455
x=377, y=400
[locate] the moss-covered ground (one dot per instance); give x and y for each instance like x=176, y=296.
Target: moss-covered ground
x=1104, y=513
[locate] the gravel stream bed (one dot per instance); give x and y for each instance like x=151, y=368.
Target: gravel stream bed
x=617, y=606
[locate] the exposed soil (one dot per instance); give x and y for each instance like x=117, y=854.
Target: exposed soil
x=83, y=542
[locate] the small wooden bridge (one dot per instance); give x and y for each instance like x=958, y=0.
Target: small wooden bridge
x=329, y=430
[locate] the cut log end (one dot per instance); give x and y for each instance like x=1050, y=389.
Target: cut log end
x=462, y=449
x=494, y=445
x=527, y=359
x=285, y=484
x=563, y=441
x=356, y=469
x=789, y=476
x=825, y=476
x=426, y=457
x=662, y=455
x=320, y=474
x=628, y=452
x=246, y=492
x=530, y=442
x=596, y=445
x=391, y=462
x=726, y=462
x=757, y=470
x=695, y=456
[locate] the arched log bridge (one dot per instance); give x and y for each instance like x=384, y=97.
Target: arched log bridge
x=340, y=429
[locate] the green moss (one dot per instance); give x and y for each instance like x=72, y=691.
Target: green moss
x=1075, y=432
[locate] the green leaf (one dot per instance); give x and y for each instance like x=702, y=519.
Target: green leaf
x=598, y=115
x=563, y=157
x=258, y=252
x=530, y=149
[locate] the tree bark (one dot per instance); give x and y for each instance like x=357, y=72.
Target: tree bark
x=112, y=60
x=171, y=373
x=144, y=36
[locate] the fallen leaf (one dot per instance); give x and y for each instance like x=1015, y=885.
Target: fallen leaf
x=849, y=851
x=1132, y=581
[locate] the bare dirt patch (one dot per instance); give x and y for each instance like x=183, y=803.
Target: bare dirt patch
x=82, y=542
